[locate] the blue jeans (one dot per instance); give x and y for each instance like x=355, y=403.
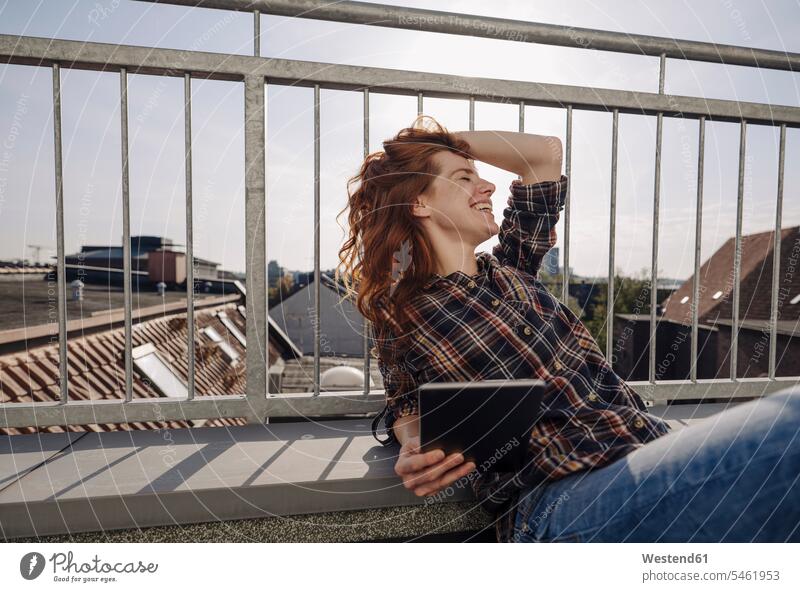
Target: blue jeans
x=732, y=477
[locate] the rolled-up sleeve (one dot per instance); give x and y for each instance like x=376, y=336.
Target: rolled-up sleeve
x=528, y=230
x=401, y=395
x=399, y=383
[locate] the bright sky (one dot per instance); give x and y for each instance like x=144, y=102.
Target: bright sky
x=91, y=128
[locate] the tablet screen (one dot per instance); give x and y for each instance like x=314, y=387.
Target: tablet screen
x=488, y=421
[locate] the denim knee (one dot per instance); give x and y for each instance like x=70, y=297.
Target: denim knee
x=791, y=395
x=787, y=421
x=788, y=401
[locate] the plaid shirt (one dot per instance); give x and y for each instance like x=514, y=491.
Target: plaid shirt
x=503, y=323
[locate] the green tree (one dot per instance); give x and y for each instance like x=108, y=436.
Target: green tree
x=631, y=296
x=284, y=287
x=554, y=284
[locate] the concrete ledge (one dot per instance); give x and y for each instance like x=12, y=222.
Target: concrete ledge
x=297, y=481
x=119, y=480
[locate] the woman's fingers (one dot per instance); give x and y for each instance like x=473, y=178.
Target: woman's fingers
x=414, y=479
x=448, y=478
x=410, y=462
x=433, y=472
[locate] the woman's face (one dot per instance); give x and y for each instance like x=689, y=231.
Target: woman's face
x=457, y=204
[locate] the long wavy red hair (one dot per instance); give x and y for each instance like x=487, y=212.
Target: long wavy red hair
x=382, y=227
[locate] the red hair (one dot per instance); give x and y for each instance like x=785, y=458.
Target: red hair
x=382, y=227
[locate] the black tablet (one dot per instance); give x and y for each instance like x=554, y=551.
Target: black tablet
x=488, y=421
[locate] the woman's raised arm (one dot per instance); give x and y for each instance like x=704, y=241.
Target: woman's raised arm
x=535, y=158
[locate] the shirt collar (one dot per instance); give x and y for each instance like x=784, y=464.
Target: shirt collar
x=487, y=263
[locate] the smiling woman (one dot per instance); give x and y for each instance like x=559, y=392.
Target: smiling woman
x=421, y=200
x=453, y=317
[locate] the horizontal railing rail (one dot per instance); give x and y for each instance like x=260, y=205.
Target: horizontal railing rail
x=436, y=21
x=257, y=405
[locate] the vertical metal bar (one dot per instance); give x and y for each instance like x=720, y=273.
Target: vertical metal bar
x=612, y=235
x=366, y=321
x=126, y=235
x=419, y=103
x=521, y=122
x=698, y=230
x=317, y=328
x=737, y=252
x=61, y=279
x=568, y=173
x=654, y=262
x=255, y=246
x=472, y=113
x=257, y=33
x=662, y=73
x=776, y=256
x=190, y=328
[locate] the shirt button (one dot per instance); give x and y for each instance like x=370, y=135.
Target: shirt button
x=471, y=284
x=527, y=330
x=495, y=302
x=558, y=365
x=639, y=423
x=593, y=397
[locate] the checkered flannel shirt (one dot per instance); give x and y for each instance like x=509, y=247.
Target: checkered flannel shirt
x=503, y=323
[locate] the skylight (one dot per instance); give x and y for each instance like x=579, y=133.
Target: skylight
x=148, y=362
x=231, y=326
x=684, y=300
x=717, y=294
x=795, y=300
x=231, y=354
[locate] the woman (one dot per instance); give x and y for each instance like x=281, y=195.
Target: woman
x=599, y=467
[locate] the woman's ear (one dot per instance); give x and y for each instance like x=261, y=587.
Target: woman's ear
x=420, y=207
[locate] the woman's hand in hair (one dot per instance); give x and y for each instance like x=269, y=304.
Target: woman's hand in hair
x=427, y=473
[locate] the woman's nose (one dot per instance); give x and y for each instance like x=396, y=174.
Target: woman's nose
x=487, y=187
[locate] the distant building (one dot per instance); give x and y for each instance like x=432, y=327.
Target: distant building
x=154, y=259
x=302, y=278
x=714, y=313
x=274, y=273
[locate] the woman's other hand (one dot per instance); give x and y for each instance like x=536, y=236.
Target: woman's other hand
x=427, y=473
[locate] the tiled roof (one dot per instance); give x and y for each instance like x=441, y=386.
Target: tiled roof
x=790, y=328
x=716, y=275
x=96, y=368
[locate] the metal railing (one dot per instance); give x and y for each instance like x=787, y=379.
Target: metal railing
x=254, y=72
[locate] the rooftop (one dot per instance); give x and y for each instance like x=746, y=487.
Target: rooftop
x=96, y=368
x=716, y=285
x=27, y=301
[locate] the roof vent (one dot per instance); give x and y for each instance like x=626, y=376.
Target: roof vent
x=77, y=290
x=343, y=378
